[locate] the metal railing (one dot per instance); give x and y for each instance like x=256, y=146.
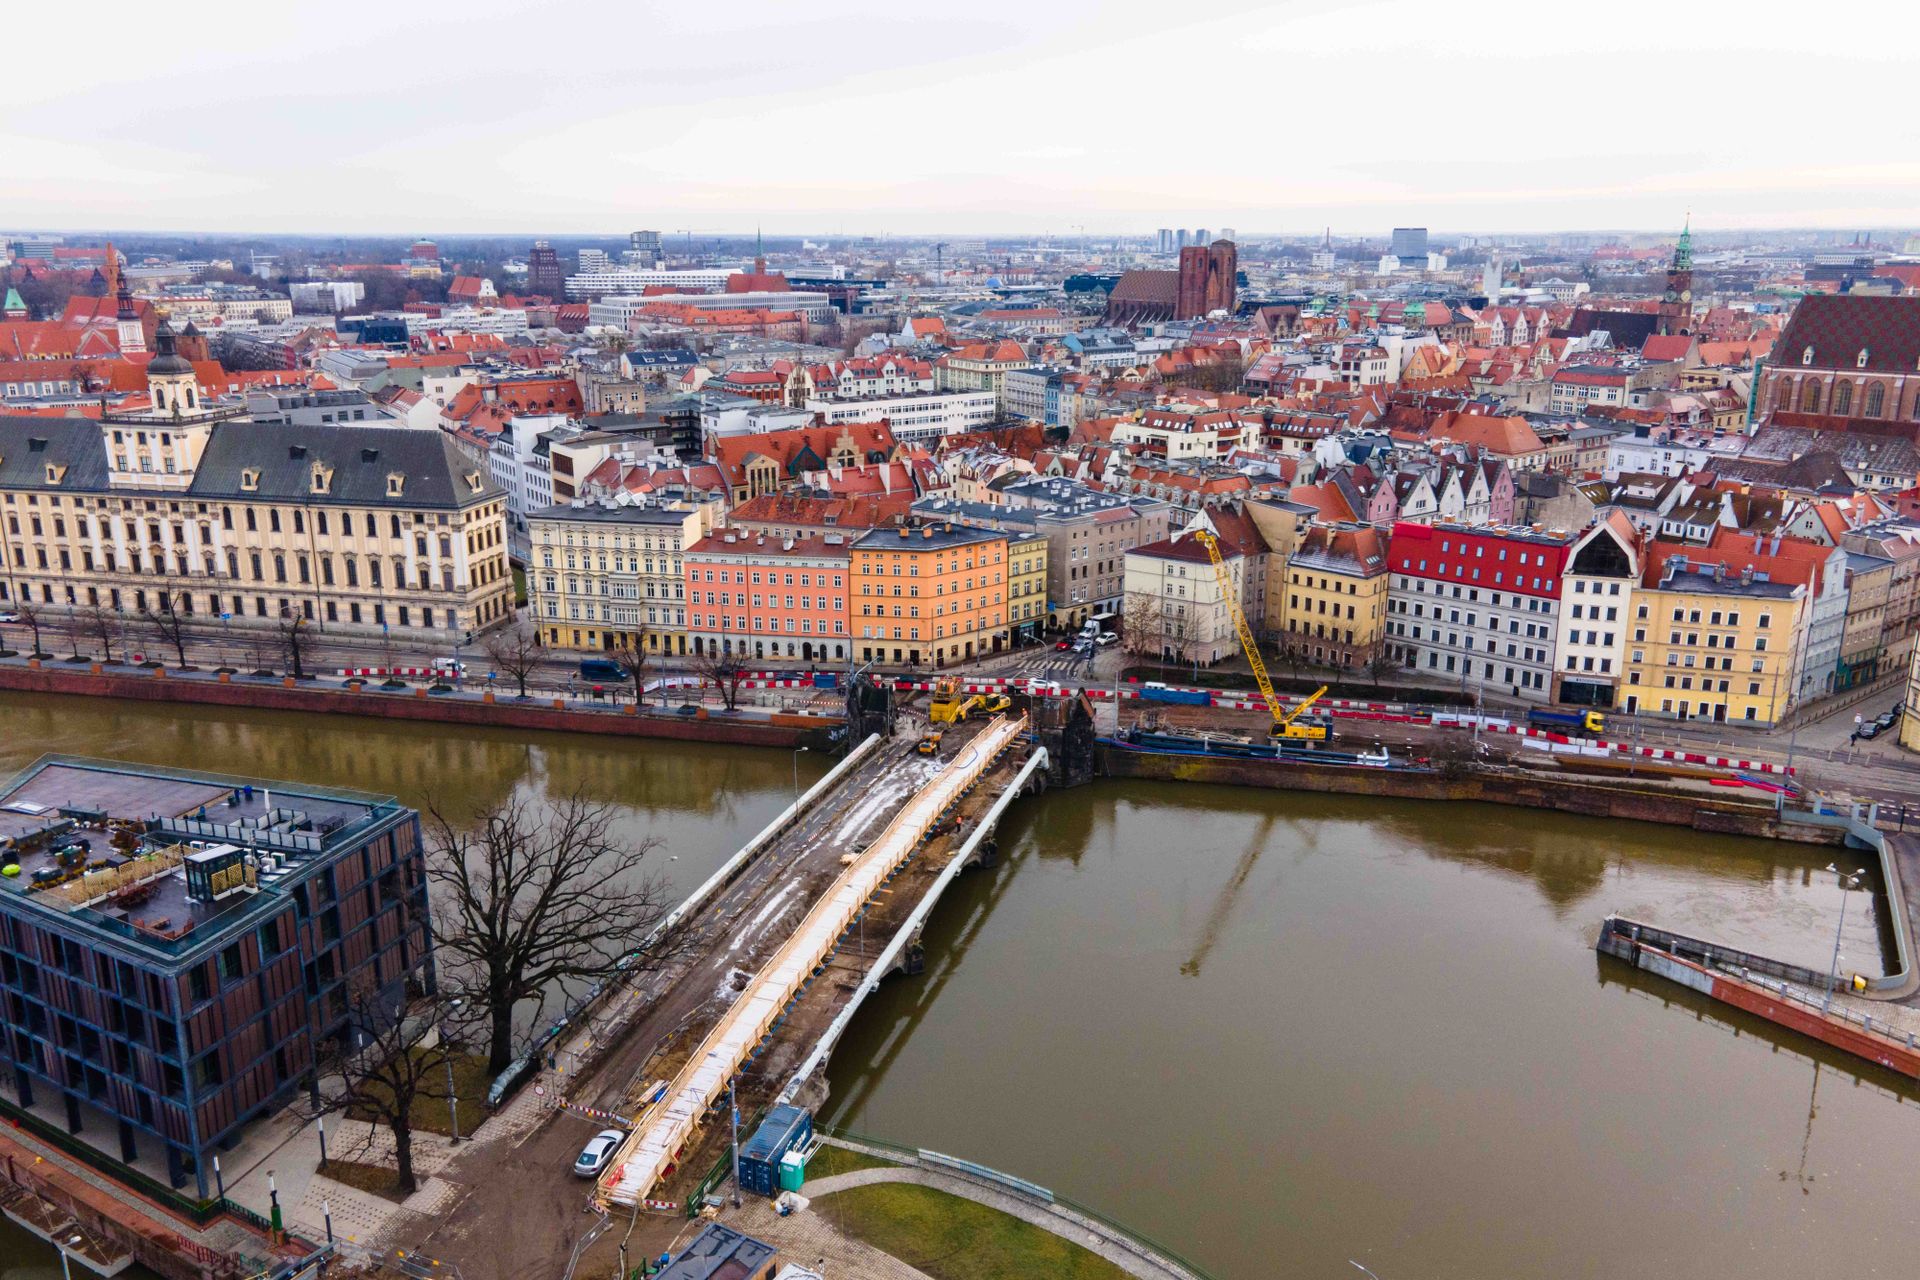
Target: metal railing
x=1119, y=1232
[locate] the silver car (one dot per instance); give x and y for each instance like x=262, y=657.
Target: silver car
x=599, y=1149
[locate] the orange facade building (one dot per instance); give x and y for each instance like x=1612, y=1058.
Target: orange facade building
x=933, y=594
x=766, y=596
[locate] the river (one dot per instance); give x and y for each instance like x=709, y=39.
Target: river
x=1273, y=1031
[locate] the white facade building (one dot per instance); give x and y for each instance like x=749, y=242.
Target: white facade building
x=913, y=418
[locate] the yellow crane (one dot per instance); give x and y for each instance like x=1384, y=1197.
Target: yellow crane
x=1286, y=724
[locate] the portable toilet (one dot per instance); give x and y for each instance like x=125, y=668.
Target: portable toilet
x=793, y=1171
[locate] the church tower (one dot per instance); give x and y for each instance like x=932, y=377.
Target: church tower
x=171, y=383
x=133, y=335
x=1676, y=304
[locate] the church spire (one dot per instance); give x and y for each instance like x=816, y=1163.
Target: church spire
x=759, y=254
x=1683, y=250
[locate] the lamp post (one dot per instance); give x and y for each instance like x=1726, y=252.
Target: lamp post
x=733, y=1108
x=219, y=1182
x=66, y=1270
x=1833, y=975
x=320, y=1123
x=796, y=773
x=446, y=1053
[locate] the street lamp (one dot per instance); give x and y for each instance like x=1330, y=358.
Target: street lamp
x=796, y=773
x=1833, y=976
x=446, y=1053
x=66, y=1270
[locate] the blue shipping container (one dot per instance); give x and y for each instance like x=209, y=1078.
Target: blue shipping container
x=1186, y=697
x=784, y=1129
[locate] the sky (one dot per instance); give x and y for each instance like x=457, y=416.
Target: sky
x=830, y=118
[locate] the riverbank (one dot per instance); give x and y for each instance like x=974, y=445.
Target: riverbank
x=1584, y=797
x=742, y=727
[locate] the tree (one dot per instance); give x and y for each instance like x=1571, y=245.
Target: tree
x=381, y=1066
x=526, y=906
x=1292, y=656
x=515, y=649
x=291, y=630
x=99, y=623
x=1140, y=624
x=725, y=672
x=169, y=619
x=32, y=616
x=1381, y=665
x=629, y=653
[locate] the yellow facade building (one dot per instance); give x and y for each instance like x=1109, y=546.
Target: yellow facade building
x=1709, y=644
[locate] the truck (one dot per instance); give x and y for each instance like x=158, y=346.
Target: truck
x=948, y=705
x=1573, y=720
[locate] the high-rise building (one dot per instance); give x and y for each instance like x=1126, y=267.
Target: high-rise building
x=1164, y=241
x=544, y=276
x=644, y=249
x=592, y=260
x=1409, y=244
x=1226, y=233
x=1203, y=236
x=1182, y=238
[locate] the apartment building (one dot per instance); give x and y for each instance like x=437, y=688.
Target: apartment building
x=1027, y=586
x=1479, y=603
x=769, y=597
x=1596, y=603
x=983, y=366
x=609, y=572
x=929, y=593
x=1334, y=598
x=161, y=994
x=1711, y=643
x=1175, y=607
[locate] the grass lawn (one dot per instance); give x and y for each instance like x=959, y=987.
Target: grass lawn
x=954, y=1239
x=470, y=1083
x=374, y=1178
x=831, y=1160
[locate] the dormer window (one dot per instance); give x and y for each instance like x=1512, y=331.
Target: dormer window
x=54, y=472
x=249, y=480
x=396, y=484
x=1860, y=361
x=322, y=478
x=1806, y=356
x=473, y=481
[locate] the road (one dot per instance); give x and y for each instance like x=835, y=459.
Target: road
x=532, y=1186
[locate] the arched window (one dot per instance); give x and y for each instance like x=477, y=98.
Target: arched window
x=1876, y=399
x=1810, y=397
x=1843, y=398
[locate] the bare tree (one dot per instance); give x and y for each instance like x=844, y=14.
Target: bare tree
x=1140, y=624
x=166, y=614
x=725, y=672
x=291, y=631
x=97, y=622
x=1292, y=655
x=381, y=1066
x=32, y=616
x=515, y=649
x=527, y=905
x=629, y=653
x=1380, y=665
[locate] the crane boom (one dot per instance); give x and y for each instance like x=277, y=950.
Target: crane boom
x=1232, y=597
x=1283, y=726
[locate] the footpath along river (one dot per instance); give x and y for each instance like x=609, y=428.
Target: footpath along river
x=1273, y=1031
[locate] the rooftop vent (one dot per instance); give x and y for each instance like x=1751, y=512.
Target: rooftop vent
x=369, y=455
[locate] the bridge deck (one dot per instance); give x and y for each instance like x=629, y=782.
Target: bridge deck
x=654, y=1148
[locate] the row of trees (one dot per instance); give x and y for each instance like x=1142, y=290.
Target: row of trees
x=517, y=654
x=162, y=622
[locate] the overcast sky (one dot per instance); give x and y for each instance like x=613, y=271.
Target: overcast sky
x=830, y=117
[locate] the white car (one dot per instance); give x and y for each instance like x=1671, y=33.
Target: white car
x=1106, y=638
x=9, y=617
x=599, y=1149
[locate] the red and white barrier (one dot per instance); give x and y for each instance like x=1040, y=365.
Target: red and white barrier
x=352, y=672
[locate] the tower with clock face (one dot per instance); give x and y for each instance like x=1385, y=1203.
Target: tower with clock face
x=1676, y=304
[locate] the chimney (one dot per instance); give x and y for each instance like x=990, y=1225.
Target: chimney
x=926, y=533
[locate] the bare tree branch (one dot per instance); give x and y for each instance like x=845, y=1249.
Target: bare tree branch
x=725, y=672
x=527, y=906
x=630, y=655
x=169, y=619
x=515, y=649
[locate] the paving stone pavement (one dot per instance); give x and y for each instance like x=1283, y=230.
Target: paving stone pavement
x=810, y=1238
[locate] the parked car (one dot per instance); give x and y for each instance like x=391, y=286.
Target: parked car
x=9, y=617
x=1869, y=729
x=599, y=1149
x=1063, y=646
x=1887, y=721
x=1083, y=645
x=1106, y=638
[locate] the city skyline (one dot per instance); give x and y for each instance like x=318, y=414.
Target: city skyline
x=837, y=121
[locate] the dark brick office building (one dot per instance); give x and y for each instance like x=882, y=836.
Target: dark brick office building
x=176, y=948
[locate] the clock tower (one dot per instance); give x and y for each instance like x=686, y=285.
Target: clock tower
x=1676, y=304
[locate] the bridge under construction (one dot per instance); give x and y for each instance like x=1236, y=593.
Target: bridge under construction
x=800, y=996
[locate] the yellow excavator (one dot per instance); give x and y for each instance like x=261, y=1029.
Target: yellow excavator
x=1286, y=724
x=948, y=705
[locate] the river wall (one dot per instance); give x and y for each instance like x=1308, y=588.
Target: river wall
x=548, y=715
x=1565, y=795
